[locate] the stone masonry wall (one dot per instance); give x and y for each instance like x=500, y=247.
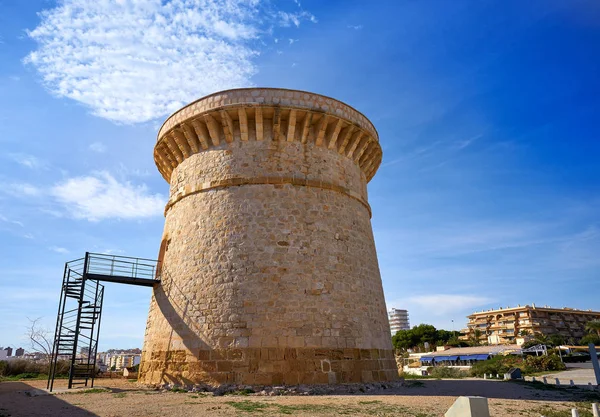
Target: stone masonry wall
x=270, y=274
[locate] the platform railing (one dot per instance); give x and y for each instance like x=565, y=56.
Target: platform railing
x=113, y=265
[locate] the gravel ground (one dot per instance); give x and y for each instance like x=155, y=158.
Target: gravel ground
x=418, y=398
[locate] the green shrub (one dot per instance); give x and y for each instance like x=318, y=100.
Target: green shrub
x=545, y=363
x=529, y=364
x=497, y=365
x=19, y=367
x=446, y=372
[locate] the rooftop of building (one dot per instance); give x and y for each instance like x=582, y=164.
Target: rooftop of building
x=534, y=307
x=475, y=350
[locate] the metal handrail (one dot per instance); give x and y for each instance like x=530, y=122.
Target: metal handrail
x=114, y=265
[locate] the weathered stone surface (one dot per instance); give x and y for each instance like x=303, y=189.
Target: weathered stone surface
x=269, y=273
x=469, y=407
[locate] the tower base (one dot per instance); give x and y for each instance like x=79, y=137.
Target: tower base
x=270, y=366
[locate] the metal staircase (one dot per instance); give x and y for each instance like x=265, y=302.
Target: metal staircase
x=80, y=309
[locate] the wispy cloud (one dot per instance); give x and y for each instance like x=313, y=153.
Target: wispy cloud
x=461, y=144
x=100, y=196
x=98, y=147
x=90, y=51
x=7, y=220
x=20, y=189
x=289, y=19
x=59, y=249
x=419, y=152
x=355, y=27
x=26, y=160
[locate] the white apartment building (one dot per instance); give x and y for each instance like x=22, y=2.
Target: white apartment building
x=398, y=320
x=121, y=361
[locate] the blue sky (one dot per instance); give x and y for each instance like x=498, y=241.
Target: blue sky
x=487, y=112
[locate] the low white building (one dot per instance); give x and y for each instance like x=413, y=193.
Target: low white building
x=460, y=357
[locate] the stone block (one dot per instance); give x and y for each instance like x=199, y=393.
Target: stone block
x=469, y=407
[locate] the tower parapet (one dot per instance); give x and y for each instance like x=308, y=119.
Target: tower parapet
x=270, y=273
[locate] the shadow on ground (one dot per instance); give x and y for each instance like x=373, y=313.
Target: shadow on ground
x=510, y=390
x=21, y=399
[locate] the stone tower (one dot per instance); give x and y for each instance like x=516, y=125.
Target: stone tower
x=269, y=269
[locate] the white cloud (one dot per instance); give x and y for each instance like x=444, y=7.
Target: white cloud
x=133, y=61
x=98, y=147
x=100, y=196
x=287, y=19
x=355, y=27
x=7, y=220
x=20, y=189
x=112, y=251
x=58, y=249
x=26, y=160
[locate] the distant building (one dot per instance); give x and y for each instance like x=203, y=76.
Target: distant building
x=461, y=358
x=20, y=352
x=514, y=325
x=118, y=362
x=398, y=320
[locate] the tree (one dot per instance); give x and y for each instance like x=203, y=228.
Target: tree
x=425, y=333
x=403, y=340
x=556, y=340
x=444, y=336
x=590, y=338
x=39, y=338
x=593, y=326
x=475, y=335
x=524, y=332
x=456, y=342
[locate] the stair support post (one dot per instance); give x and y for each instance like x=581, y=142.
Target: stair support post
x=78, y=323
x=59, y=320
x=97, y=331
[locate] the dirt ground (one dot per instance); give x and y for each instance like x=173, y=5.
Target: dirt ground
x=418, y=398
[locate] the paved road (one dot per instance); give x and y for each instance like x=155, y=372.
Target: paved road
x=584, y=365
x=580, y=373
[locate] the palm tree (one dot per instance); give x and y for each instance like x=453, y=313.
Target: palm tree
x=475, y=337
x=524, y=332
x=593, y=326
x=542, y=339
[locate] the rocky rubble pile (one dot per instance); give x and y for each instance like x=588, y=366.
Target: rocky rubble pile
x=262, y=390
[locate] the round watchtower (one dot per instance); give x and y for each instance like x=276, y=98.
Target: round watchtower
x=269, y=269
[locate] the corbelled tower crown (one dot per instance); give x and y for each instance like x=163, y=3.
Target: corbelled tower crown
x=269, y=269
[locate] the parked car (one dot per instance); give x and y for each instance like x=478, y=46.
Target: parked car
x=576, y=357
